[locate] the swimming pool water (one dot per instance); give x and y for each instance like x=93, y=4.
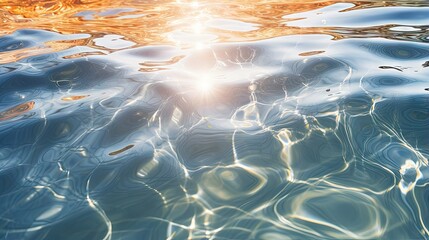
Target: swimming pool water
x=178, y=119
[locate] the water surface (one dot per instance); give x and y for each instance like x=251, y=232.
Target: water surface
x=201, y=120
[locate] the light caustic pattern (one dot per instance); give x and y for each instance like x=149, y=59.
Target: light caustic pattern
x=199, y=120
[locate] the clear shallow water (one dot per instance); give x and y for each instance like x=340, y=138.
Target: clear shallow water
x=195, y=120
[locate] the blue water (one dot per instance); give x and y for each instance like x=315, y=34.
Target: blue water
x=297, y=123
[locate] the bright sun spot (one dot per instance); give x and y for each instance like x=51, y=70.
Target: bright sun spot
x=195, y=4
x=205, y=85
x=197, y=27
x=200, y=45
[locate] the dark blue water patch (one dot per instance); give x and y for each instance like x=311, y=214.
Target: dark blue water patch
x=78, y=74
x=197, y=149
x=258, y=149
x=41, y=63
x=82, y=223
x=364, y=174
x=23, y=82
x=6, y=69
x=357, y=104
x=21, y=133
x=26, y=38
x=143, y=171
x=319, y=67
x=407, y=213
x=269, y=233
x=58, y=130
x=81, y=74
x=317, y=155
x=141, y=195
x=233, y=233
x=124, y=123
x=397, y=50
x=390, y=85
x=8, y=43
x=299, y=76
x=409, y=14
x=421, y=195
x=407, y=116
x=390, y=81
x=11, y=156
x=366, y=141
x=40, y=195
x=385, y=81
x=12, y=178
x=410, y=113
x=151, y=228
x=54, y=178
x=272, y=88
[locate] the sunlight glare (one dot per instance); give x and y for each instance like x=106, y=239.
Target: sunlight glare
x=195, y=4
x=205, y=85
x=197, y=27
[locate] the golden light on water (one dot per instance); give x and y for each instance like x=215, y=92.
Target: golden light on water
x=201, y=119
x=205, y=85
x=189, y=24
x=105, y=27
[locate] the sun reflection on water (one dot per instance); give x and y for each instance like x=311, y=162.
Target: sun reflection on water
x=205, y=85
x=212, y=120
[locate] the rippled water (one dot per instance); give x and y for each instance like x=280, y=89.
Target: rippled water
x=201, y=120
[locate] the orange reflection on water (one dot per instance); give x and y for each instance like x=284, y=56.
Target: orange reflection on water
x=74, y=98
x=155, y=23
x=12, y=56
x=187, y=24
x=16, y=111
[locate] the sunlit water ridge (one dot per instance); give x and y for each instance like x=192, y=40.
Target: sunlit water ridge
x=214, y=120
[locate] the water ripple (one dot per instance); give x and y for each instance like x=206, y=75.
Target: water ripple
x=203, y=120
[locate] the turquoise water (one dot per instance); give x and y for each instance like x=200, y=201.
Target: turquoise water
x=199, y=120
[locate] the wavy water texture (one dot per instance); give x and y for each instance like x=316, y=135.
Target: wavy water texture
x=201, y=120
